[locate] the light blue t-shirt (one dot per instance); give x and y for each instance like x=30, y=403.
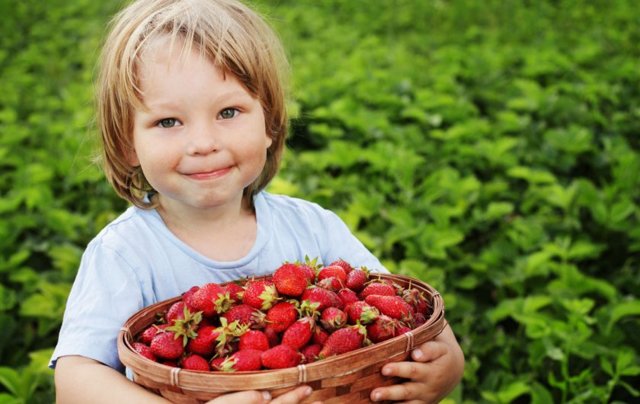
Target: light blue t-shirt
x=136, y=261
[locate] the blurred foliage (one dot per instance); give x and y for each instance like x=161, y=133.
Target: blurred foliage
x=488, y=148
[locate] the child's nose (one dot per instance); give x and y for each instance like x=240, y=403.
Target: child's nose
x=203, y=139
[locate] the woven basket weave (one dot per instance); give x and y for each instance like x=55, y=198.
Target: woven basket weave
x=349, y=377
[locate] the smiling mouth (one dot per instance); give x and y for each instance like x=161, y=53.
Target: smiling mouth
x=206, y=175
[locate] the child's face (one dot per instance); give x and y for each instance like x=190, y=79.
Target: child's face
x=203, y=138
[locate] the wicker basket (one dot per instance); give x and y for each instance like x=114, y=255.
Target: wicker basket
x=349, y=377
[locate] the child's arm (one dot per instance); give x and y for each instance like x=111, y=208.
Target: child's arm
x=437, y=368
x=83, y=380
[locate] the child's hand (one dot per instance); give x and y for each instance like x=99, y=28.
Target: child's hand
x=257, y=397
x=436, y=370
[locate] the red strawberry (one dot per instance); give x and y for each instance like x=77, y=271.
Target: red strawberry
x=290, y=280
x=343, y=264
x=392, y=306
x=361, y=312
x=382, y=328
x=331, y=283
x=185, y=326
x=417, y=299
x=241, y=361
x=299, y=333
x=205, y=342
x=272, y=335
x=333, y=318
x=347, y=296
x=195, y=362
x=324, y=297
x=281, y=316
x=311, y=352
x=167, y=345
x=144, y=350
x=333, y=271
x=356, y=279
x=253, y=339
x=175, y=312
x=211, y=299
x=235, y=291
x=319, y=336
x=149, y=332
x=246, y=315
x=260, y=294
x=186, y=296
x=216, y=363
x=377, y=288
x=343, y=340
x=402, y=329
x=280, y=357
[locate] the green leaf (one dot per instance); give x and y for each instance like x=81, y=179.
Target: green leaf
x=620, y=311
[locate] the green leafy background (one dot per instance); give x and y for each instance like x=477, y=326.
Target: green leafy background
x=489, y=148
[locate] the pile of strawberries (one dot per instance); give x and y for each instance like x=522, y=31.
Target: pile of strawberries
x=302, y=313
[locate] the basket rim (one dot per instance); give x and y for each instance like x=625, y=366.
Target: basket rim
x=340, y=365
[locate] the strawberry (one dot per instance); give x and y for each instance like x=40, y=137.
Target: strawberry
x=331, y=283
x=216, y=363
x=347, y=296
x=144, y=350
x=281, y=316
x=311, y=352
x=402, y=329
x=253, y=339
x=246, y=315
x=235, y=291
x=167, y=345
x=272, y=335
x=176, y=311
x=319, y=336
x=342, y=264
x=194, y=362
x=333, y=271
x=205, y=341
x=382, y=328
x=377, y=288
x=299, y=333
x=186, y=324
x=211, y=299
x=290, y=280
x=416, y=299
x=392, y=306
x=260, y=294
x=356, y=279
x=324, y=297
x=361, y=312
x=343, y=340
x=186, y=296
x=228, y=334
x=333, y=318
x=280, y=357
x=149, y=332
x=240, y=361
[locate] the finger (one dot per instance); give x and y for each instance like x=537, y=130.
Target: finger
x=294, y=396
x=408, y=370
x=398, y=392
x=429, y=351
x=249, y=397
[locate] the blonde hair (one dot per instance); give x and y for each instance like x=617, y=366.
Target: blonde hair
x=230, y=34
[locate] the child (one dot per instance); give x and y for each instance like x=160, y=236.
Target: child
x=192, y=116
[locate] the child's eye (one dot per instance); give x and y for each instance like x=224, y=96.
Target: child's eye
x=228, y=113
x=167, y=122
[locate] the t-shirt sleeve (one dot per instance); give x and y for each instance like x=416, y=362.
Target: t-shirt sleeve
x=105, y=293
x=341, y=243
